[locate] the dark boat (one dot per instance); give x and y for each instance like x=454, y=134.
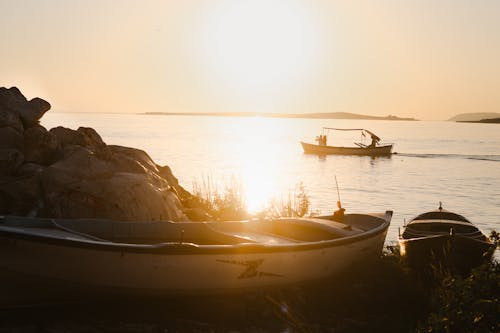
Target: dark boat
x=445, y=239
x=373, y=149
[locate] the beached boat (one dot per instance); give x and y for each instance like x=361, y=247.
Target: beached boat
x=373, y=149
x=443, y=238
x=186, y=257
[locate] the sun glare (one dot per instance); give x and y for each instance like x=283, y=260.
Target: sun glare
x=260, y=47
x=256, y=158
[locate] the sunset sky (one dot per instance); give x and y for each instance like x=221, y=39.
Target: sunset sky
x=427, y=59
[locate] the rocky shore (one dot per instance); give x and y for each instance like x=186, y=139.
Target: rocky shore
x=66, y=173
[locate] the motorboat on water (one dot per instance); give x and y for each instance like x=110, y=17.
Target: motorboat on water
x=186, y=257
x=375, y=148
x=444, y=238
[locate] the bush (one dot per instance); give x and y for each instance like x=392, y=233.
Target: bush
x=466, y=304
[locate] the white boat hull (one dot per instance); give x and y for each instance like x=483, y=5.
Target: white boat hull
x=245, y=267
x=184, y=273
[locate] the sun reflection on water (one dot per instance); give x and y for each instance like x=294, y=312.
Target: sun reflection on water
x=258, y=161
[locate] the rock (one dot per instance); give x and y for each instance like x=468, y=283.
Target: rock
x=29, y=169
x=11, y=139
x=10, y=119
x=29, y=112
x=92, y=137
x=123, y=196
x=39, y=107
x=65, y=173
x=80, y=163
x=125, y=158
x=12, y=99
x=83, y=185
x=166, y=173
x=10, y=161
x=41, y=146
x=67, y=137
x=21, y=196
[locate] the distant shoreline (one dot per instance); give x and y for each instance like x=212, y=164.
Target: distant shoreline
x=482, y=121
x=333, y=115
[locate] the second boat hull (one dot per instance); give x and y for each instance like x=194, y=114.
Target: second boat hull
x=331, y=150
x=445, y=251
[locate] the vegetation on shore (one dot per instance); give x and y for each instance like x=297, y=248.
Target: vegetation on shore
x=227, y=203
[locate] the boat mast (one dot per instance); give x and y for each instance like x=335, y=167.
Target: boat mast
x=339, y=204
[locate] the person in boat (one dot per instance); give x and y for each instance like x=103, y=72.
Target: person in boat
x=321, y=140
x=375, y=140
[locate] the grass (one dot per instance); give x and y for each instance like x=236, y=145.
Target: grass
x=227, y=202
x=223, y=204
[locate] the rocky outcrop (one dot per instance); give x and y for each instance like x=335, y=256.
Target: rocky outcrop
x=74, y=173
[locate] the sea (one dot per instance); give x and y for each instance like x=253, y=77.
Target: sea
x=457, y=164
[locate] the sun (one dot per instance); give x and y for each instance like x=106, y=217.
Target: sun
x=259, y=48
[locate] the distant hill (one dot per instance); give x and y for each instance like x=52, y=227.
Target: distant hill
x=330, y=115
x=484, y=121
x=474, y=116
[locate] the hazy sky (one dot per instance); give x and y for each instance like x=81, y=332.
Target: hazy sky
x=427, y=59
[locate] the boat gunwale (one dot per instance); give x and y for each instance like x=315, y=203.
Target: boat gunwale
x=446, y=237
x=180, y=248
x=441, y=221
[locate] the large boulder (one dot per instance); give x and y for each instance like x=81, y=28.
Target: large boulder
x=66, y=173
x=41, y=146
x=10, y=119
x=10, y=161
x=84, y=185
x=21, y=195
x=10, y=138
x=83, y=136
x=166, y=173
x=30, y=112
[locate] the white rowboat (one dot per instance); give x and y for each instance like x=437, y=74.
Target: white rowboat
x=187, y=257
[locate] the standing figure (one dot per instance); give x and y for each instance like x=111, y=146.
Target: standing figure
x=375, y=140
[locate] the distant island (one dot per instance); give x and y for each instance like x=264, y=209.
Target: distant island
x=483, y=121
x=330, y=115
x=476, y=117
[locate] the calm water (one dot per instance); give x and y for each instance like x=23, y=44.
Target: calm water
x=456, y=163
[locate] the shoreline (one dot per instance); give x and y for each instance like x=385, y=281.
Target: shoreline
x=333, y=115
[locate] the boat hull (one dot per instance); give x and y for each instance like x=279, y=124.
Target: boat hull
x=188, y=271
x=331, y=150
x=445, y=251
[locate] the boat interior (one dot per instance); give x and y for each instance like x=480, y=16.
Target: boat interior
x=263, y=231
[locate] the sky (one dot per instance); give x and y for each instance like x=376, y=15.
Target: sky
x=426, y=59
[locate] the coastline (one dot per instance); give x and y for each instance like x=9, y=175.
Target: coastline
x=333, y=115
